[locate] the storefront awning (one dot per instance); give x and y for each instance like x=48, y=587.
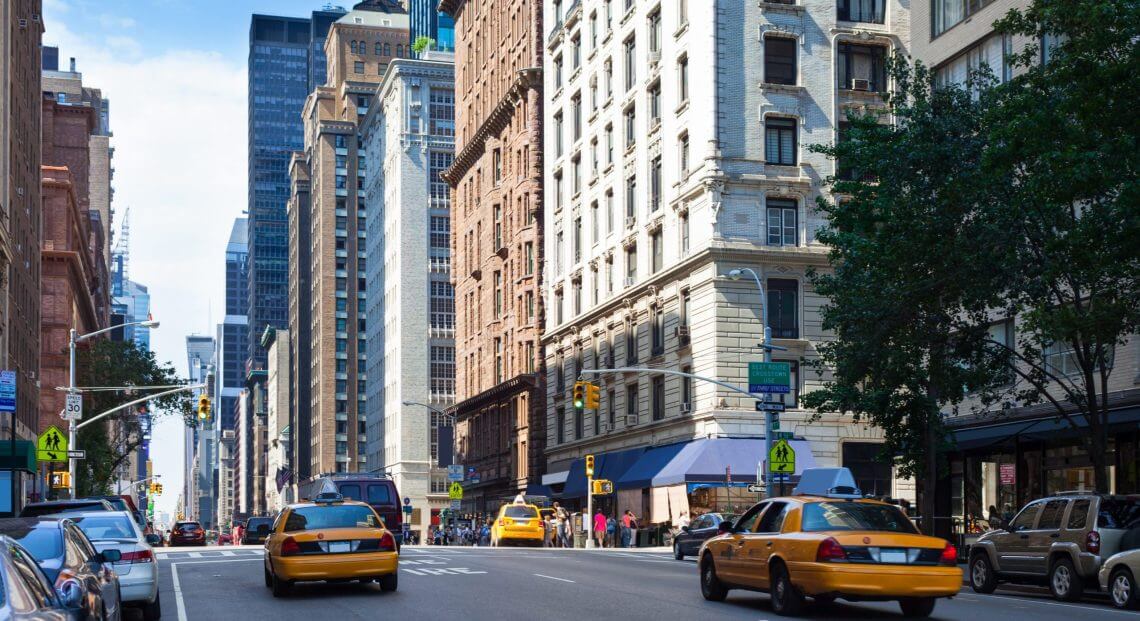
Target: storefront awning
x=609, y=466
x=706, y=461
x=25, y=455
x=555, y=478
x=996, y=433
x=641, y=474
x=536, y=489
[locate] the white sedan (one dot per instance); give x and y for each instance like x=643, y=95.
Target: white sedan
x=1118, y=578
x=137, y=570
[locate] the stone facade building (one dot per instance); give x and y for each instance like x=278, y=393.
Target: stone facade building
x=409, y=139
x=277, y=367
x=359, y=47
x=497, y=240
x=20, y=206
x=674, y=157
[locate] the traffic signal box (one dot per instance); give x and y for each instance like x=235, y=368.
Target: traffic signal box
x=203, y=407
x=156, y=489
x=579, y=395
x=589, y=465
x=587, y=395
x=603, y=487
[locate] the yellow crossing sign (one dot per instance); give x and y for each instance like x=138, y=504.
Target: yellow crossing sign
x=455, y=492
x=782, y=458
x=52, y=445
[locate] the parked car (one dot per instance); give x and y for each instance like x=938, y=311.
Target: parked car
x=378, y=490
x=256, y=530
x=187, y=534
x=63, y=507
x=71, y=562
x=1117, y=577
x=123, y=502
x=137, y=568
x=689, y=540
x=28, y=594
x=1060, y=541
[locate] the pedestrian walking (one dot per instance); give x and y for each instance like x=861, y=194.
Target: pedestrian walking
x=626, y=520
x=632, y=530
x=600, y=528
x=611, y=532
x=564, y=526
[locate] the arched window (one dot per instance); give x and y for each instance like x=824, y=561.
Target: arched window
x=353, y=47
x=379, y=49
x=387, y=49
x=399, y=51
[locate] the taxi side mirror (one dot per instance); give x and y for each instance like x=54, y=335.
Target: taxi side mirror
x=725, y=528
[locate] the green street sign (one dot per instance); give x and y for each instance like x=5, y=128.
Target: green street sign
x=769, y=377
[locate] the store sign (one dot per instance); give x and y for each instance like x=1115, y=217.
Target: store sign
x=1007, y=474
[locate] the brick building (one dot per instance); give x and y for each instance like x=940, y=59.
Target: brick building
x=359, y=47
x=497, y=238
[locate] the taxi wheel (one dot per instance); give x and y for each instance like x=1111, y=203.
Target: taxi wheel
x=677, y=553
x=388, y=583
x=712, y=588
x=787, y=600
x=1064, y=582
x=268, y=578
x=280, y=587
x=917, y=606
x=982, y=577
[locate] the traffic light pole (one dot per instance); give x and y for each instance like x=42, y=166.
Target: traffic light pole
x=588, y=519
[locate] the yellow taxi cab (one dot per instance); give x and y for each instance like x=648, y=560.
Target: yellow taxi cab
x=329, y=539
x=518, y=523
x=826, y=542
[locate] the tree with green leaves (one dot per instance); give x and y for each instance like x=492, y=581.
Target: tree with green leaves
x=913, y=276
x=110, y=441
x=422, y=44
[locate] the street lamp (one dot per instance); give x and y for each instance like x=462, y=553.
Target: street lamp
x=736, y=274
x=73, y=338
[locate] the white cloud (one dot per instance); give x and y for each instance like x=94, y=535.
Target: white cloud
x=178, y=119
x=115, y=21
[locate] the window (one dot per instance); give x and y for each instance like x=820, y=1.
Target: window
x=557, y=189
x=687, y=387
x=576, y=174
x=559, y=248
x=682, y=12
x=439, y=161
x=611, y=409
x=656, y=248
x=862, y=67
x=442, y=371
x=630, y=341
x=1078, y=515
x=609, y=211
x=655, y=184
x=498, y=293
x=631, y=197
x=576, y=116
x=441, y=232
x=773, y=520
x=557, y=134
x=631, y=399
x=782, y=230
x=497, y=166
x=609, y=144
x=578, y=424
x=947, y=13
x=497, y=230
x=557, y=72
x=1059, y=358
x=630, y=62
x=358, y=66
x=560, y=426
x=779, y=60
x=575, y=52
x=683, y=227
x=683, y=79
x=992, y=53
x=441, y=104
x=609, y=79
x=870, y=11
x=1051, y=515
x=683, y=152
x=576, y=290
x=658, y=398
x=594, y=222
x=780, y=141
x=654, y=96
x=655, y=32
x=528, y=258
x=576, y=240
x=658, y=331
x=871, y=471
x=630, y=127
x=558, y=307
x=782, y=309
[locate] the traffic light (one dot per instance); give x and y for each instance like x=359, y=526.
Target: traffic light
x=593, y=396
x=203, y=407
x=579, y=395
x=603, y=487
x=158, y=489
x=589, y=465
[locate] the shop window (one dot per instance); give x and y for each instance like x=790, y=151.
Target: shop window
x=872, y=473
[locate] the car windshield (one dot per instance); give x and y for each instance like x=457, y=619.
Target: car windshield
x=44, y=541
x=331, y=516
x=521, y=513
x=59, y=509
x=187, y=527
x=112, y=527
x=1122, y=513
x=822, y=516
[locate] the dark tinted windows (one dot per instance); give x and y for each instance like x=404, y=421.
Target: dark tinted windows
x=1118, y=513
x=521, y=512
x=820, y=516
x=773, y=520
x=380, y=494
x=1027, y=517
x=42, y=542
x=351, y=490
x=331, y=516
x=1078, y=515
x=1051, y=515
x=747, y=523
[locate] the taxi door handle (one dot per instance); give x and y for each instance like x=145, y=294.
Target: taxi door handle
x=769, y=544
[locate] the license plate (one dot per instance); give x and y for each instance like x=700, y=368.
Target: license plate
x=892, y=556
x=336, y=547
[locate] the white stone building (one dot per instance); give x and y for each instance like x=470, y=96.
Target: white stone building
x=409, y=140
x=277, y=366
x=677, y=150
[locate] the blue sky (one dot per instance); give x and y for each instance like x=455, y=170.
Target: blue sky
x=175, y=73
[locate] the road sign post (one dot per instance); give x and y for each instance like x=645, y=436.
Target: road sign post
x=52, y=445
x=782, y=461
x=8, y=404
x=73, y=408
x=455, y=473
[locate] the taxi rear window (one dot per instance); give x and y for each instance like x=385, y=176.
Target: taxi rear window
x=822, y=516
x=524, y=513
x=334, y=516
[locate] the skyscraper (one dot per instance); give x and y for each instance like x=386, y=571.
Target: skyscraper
x=427, y=20
x=233, y=332
x=196, y=459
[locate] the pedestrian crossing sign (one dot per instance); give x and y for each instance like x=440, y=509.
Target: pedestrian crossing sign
x=782, y=458
x=52, y=445
x=455, y=492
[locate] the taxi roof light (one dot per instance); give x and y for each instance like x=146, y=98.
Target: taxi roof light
x=828, y=482
x=328, y=497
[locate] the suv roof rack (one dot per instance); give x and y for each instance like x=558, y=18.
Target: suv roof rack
x=1077, y=492
x=353, y=475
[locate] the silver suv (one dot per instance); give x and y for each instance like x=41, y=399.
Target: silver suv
x=1060, y=541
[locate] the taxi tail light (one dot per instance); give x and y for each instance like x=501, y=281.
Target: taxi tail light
x=142, y=556
x=830, y=551
x=949, y=555
x=387, y=543
x=290, y=547
x=1092, y=542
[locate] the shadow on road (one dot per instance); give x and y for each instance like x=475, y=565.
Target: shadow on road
x=323, y=590
x=839, y=609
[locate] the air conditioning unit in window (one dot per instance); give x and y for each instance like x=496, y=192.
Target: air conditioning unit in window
x=860, y=85
x=630, y=281
x=630, y=222
x=682, y=332
x=630, y=420
x=686, y=407
x=654, y=57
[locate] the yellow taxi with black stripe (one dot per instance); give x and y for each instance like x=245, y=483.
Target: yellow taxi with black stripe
x=329, y=539
x=518, y=523
x=827, y=542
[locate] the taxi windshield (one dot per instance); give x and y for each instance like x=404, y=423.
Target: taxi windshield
x=822, y=516
x=522, y=512
x=333, y=516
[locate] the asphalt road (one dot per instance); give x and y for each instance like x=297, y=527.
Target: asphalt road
x=521, y=584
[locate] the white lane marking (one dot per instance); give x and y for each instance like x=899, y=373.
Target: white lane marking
x=194, y=554
x=443, y=571
x=225, y=553
x=1043, y=602
x=553, y=578
x=178, y=592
